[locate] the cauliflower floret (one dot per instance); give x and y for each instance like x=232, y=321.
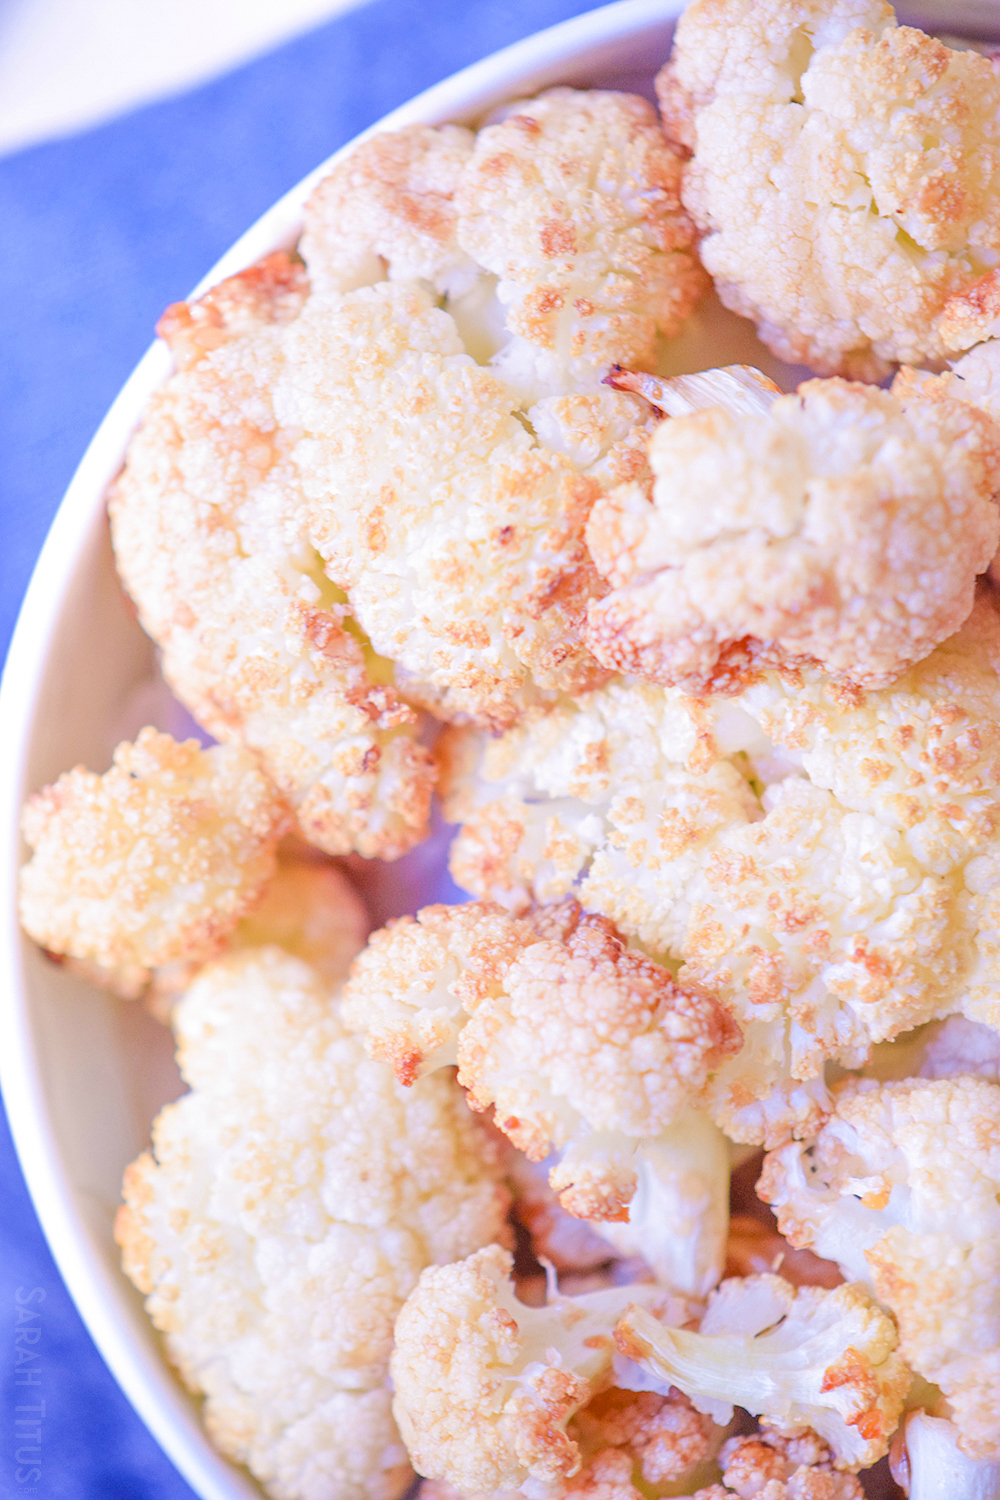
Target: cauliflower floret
x=211, y=547
x=156, y=860
x=634, y=1445
x=334, y=446
x=822, y=858
x=767, y=1466
x=572, y=201
x=455, y=533
x=901, y=1189
x=575, y=1040
x=485, y=1386
x=288, y=1206
x=804, y=1357
x=567, y=1244
x=845, y=177
x=931, y=1464
x=754, y=1248
x=308, y=907
x=842, y=526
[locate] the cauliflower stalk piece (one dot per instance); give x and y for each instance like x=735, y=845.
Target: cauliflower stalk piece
x=932, y=1464
x=679, y=1216
x=845, y=177
x=155, y=861
x=822, y=858
x=799, y=1357
x=485, y=1386
x=289, y=1204
x=842, y=526
x=901, y=1189
x=578, y=1043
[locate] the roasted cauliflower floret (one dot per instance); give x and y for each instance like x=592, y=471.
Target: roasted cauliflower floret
x=572, y=201
x=901, y=1189
x=211, y=544
x=579, y=1043
x=804, y=1357
x=843, y=527
x=387, y=208
x=456, y=534
x=823, y=859
x=767, y=1466
x=157, y=860
x=485, y=1386
x=845, y=176
x=288, y=1206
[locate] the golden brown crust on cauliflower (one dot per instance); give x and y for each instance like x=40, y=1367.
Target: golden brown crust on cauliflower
x=566, y=1033
x=210, y=545
x=821, y=858
x=156, y=860
x=844, y=176
x=901, y=1187
x=573, y=201
x=288, y=1206
x=842, y=527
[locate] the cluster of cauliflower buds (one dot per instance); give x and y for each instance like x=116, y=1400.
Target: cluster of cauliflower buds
x=707, y=673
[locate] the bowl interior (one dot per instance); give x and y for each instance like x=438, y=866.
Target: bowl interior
x=83, y=1075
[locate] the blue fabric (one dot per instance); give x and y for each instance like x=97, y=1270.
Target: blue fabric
x=97, y=234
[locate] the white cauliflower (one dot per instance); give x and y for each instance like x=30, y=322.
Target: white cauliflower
x=845, y=176
x=485, y=1386
x=822, y=858
x=210, y=545
x=901, y=1189
x=841, y=526
x=767, y=1466
x=290, y=1202
x=804, y=1357
x=931, y=1465
x=634, y=1445
x=579, y=1043
x=155, y=861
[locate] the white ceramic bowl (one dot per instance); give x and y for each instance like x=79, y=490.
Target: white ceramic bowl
x=83, y=1075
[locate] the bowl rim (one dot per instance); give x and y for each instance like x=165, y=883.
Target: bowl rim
x=98, y=1289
